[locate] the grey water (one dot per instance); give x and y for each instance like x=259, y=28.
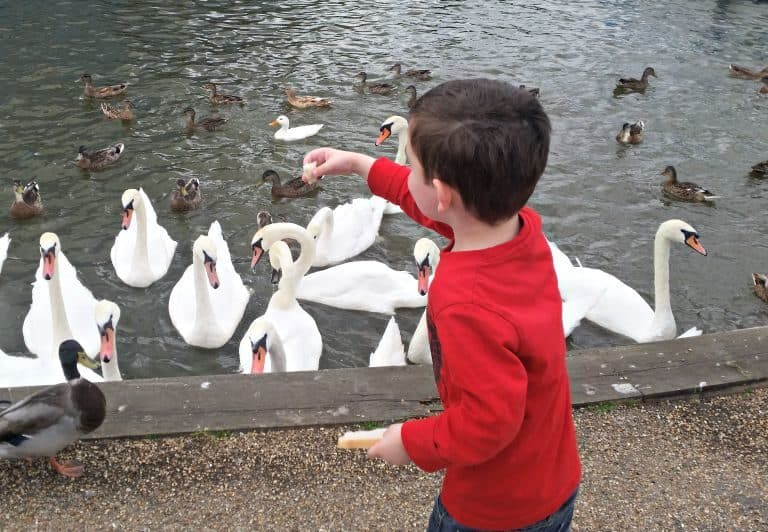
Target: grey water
x=600, y=202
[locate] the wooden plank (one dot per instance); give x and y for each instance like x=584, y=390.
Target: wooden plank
x=234, y=402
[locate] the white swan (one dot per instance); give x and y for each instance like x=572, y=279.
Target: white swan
x=622, y=310
x=209, y=300
x=345, y=231
x=390, y=351
x=395, y=125
x=262, y=345
x=297, y=330
x=107, y=316
x=293, y=133
x=143, y=251
x=4, y=243
x=427, y=257
x=62, y=309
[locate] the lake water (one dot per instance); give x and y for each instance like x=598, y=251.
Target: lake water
x=600, y=202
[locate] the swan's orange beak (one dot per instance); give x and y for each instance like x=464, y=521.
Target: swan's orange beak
x=49, y=259
x=210, y=269
x=258, y=251
x=127, y=216
x=424, y=272
x=693, y=242
x=107, y=349
x=384, y=134
x=259, y=350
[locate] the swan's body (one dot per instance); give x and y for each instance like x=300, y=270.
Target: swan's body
x=209, y=300
x=5, y=241
x=143, y=251
x=345, y=231
x=390, y=351
x=296, y=329
x=293, y=133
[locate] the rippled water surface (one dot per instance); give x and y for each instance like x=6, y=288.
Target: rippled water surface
x=600, y=202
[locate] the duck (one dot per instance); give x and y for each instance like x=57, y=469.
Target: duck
x=28, y=202
x=215, y=97
x=143, y=250
x=293, y=188
x=390, y=350
x=376, y=88
x=421, y=75
x=395, y=125
x=741, y=72
x=759, y=285
x=764, y=88
x=107, y=91
x=427, y=257
x=631, y=133
x=293, y=133
x=412, y=97
x=114, y=112
x=760, y=169
x=107, y=316
x=345, y=231
x=684, y=191
x=62, y=308
x=304, y=102
x=621, y=310
x=636, y=85
x=96, y=160
x=5, y=241
x=261, y=343
x=295, y=327
x=366, y=285
x=209, y=300
x=263, y=219
x=45, y=422
x=533, y=91
x=208, y=124
x=187, y=196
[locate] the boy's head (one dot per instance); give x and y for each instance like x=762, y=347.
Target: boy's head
x=486, y=139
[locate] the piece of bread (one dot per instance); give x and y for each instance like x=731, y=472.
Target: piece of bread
x=308, y=169
x=360, y=439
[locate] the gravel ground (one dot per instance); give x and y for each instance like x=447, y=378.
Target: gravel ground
x=694, y=464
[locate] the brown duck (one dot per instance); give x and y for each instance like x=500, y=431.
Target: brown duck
x=187, y=196
x=637, y=85
x=107, y=91
x=291, y=189
x=113, y=112
x=631, y=133
x=736, y=71
x=760, y=169
x=759, y=285
x=685, y=191
x=304, y=102
x=764, y=88
x=28, y=202
x=94, y=160
x=376, y=88
x=208, y=124
x=215, y=97
x=411, y=91
x=421, y=75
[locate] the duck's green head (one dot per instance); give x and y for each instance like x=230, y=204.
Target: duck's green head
x=70, y=354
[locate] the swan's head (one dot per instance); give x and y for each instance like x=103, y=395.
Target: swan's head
x=131, y=198
x=321, y=222
x=682, y=233
x=49, y=247
x=259, y=336
x=281, y=260
x=275, y=232
x=392, y=125
x=281, y=121
x=205, y=250
x=427, y=256
x=107, y=316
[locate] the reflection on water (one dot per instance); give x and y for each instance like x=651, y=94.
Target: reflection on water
x=600, y=202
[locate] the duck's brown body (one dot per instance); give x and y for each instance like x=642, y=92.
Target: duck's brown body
x=108, y=91
x=95, y=160
x=291, y=189
x=187, y=196
x=635, y=85
x=304, y=102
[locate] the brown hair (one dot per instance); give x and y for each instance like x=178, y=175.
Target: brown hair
x=487, y=139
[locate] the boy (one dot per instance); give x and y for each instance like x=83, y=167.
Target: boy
x=506, y=437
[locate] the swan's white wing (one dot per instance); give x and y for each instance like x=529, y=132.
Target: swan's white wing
x=122, y=251
x=4, y=242
x=299, y=335
x=245, y=354
x=182, y=303
x=390, y=351
x=693, y=331
x=160, y=245
x=355, y=227
x=231, y=297
x=418, y=349
x=298, y=133
x=37, y=328
x=362, y=285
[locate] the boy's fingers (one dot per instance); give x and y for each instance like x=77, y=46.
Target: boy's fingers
x=373, y=452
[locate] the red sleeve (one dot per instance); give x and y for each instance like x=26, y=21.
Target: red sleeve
x=487, y=383
x=390, y=181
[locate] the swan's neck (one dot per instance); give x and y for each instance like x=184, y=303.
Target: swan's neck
x=663, y=307
x=402, y=140
x=141, y=253
x=61, y=330
x=277, y=354
x=203, y=311
x=286, y=293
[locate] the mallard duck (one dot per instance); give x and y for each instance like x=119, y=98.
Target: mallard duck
x=291, y=189
x=215, y=97
x=764, y=88
x=533, y=91
x=411, y=91
x=45, y=422
x=303, y=102
x=376, y=88
x=685, y=191
x=741, y=72
x=760, y=169
x=94, y=160
x=632, y=84
x=286, y=132
x=113, y=112
x=187, y=196
x=101, y=92
x=208, y=124
x=759, y=284
x=631, y=133
x=28, y=202
x=421, y=75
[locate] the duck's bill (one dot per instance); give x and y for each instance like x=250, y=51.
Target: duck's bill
x=693, y=243
x=107, y=349
x=424, y=272
x=274, y=123
x=213, y=277
x=384, y=135
x=49, y=261
x=86, y=361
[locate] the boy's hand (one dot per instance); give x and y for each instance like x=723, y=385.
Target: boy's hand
x=390, y=447
x=330, y=161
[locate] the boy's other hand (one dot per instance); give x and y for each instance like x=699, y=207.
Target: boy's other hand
x=390, y=447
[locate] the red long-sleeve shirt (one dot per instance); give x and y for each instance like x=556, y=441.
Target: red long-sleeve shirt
x=506, y=436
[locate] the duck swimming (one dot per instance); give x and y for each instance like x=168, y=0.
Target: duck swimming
x=685, y=190
x=113, y=112
x=187, y=196
x=759, y=281
x=95, y=160
x=411, y=91
x=759, y=169
x=291, y=189
x=741, y=72
x=215, y=97
x=635, y=85
x=376, y=88
x=631, y=133
x=107, y=91
x=421, y=75
x=286, y=132
x=208, y=124
x=304, y=102
x=28, y=202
